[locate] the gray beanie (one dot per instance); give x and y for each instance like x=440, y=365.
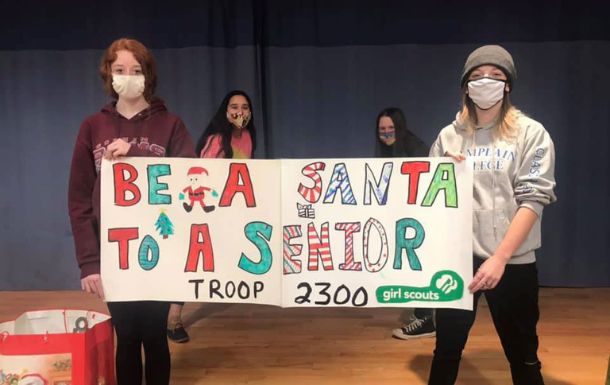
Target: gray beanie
x=490, y=54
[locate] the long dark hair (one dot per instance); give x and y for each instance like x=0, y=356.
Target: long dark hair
x=221, y=125
x=407, y=144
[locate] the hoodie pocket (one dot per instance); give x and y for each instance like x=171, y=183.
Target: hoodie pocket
x=490, y=226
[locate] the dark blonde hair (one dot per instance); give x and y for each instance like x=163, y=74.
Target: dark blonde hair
x=142, y=55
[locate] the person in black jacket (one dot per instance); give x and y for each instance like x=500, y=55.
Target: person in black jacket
x=393, y=139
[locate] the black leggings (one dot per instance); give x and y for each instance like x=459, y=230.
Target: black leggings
x=514, y=309
x=137, y=324
x=423, y=313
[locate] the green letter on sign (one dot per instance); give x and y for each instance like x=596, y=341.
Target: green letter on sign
x=410, y=244
x=258, y=233
x=444, y=179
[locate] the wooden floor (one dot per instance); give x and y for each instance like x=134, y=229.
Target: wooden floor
x=250, y=344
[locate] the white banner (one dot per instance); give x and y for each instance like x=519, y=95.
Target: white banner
x=306, y=232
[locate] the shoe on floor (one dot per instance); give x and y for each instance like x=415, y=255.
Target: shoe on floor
x=417, y=328
x=178, y=334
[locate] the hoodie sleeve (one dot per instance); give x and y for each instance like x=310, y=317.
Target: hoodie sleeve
x=212, y=148
x=436, y=150
x=450, y=138
x=535, y=178
x=181, y=144
x=85, y=228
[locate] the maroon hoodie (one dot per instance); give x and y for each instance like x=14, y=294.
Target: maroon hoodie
x=152, y=132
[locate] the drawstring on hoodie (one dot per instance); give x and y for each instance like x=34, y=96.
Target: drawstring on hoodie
x=140, y=118
x=493, y=186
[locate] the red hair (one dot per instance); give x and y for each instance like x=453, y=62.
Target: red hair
x=142, y=55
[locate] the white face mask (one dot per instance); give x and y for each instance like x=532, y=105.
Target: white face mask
x=486, y=92
x=128, y=86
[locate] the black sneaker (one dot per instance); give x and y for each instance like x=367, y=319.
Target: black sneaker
x=417, y=328
x=178, y=334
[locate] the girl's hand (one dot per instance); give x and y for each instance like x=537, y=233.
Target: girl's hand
x=93, y=284
x=488, y=275
x=458, y=157
x=116, y=149
x=491, y=271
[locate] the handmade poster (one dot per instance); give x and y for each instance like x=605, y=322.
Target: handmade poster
x=300, y=232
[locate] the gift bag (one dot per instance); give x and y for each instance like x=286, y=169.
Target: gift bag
x=57, y=347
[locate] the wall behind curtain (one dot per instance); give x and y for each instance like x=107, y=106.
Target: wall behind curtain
x=318, y=73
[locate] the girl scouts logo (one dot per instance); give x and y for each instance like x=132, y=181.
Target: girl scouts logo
x=445, y=286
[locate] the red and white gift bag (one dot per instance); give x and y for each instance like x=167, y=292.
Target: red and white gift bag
x=57, y=347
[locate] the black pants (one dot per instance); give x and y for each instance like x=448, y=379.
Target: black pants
x=423, y=313
x=514, y=309
x=137, y=324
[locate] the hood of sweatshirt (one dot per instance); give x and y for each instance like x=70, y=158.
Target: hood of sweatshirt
x=138, y=126
x=156, y=106
x=463, y=127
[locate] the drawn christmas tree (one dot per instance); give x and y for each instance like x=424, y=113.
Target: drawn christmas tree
x=164, y=225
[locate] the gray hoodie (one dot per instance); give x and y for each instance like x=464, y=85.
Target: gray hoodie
x=508, y=174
